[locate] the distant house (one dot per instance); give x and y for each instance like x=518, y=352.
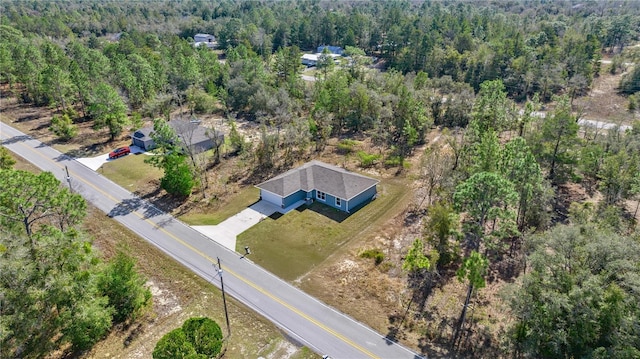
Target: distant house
x=190, y=132
x=332, y=49
x=312, y=59
x=315, y=180
x=204, y=40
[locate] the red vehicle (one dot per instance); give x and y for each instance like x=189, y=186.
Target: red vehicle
x=119, y=152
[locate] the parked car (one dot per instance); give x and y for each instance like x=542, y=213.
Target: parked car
x=119, y=152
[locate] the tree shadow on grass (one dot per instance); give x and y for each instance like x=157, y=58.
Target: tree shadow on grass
x=41, y=127
x=422, y=284
x=428, y=348
x=167, y=202
x=28, y=118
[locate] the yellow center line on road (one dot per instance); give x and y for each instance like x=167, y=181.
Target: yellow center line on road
x=202, y=254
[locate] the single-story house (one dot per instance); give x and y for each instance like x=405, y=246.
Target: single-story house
x=332, y=49
x=204, y=39
x=315, y=180
x=190, y=132
x=312, y=59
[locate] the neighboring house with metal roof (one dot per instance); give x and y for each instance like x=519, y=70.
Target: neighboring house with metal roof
x=190, y=132
x=204, y=39
x=332, y=49
x=315, y=180
x=310, y=60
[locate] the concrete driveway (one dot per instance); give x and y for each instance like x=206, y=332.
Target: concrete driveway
x=95, y=162
x=226, y=232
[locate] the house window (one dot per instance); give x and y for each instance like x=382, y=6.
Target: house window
x=338, y=202
x=321, y=195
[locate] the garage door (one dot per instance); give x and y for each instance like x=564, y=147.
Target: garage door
x=271, y=198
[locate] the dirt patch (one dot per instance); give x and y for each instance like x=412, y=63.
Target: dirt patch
x=164, y=302
x=603, y=103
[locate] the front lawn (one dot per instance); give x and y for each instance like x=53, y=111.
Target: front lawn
x=131, y=172
x=232, y=205
x=293, y=244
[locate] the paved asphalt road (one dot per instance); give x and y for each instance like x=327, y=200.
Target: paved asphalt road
x=304, y=318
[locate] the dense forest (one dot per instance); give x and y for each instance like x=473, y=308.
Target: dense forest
x=498, y=79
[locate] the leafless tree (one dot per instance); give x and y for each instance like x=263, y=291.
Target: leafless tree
x=435, y=167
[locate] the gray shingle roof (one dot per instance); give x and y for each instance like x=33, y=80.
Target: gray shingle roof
x=332, y=180
x=189, y=131
x=143, y=133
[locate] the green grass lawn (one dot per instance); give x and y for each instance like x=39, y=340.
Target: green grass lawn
x=293, y=244
x=235, y=204
x=130, y=171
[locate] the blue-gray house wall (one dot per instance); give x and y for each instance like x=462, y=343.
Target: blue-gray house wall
x=293, y=198
x=330, y=200
x=362, y=198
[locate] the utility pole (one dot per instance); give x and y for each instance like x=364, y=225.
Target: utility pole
x=68, y=178
x=224, y=300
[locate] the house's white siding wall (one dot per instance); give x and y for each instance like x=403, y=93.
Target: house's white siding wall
x=271, y=198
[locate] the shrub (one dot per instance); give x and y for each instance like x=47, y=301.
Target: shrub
x=88, y=322
x=136, y=121
x=197, y=338
x=173, y=345
x=63, y=127
x=393, y=161
x=205, y=335
x=368, y=160
x=71, y=112
x=200, y=101
x=630, y=82
x=634, y=102
x=376, y=254
x=237, y=141
x=124, y=287
x=178, y=179
x=346, y=146
x=6, y=160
